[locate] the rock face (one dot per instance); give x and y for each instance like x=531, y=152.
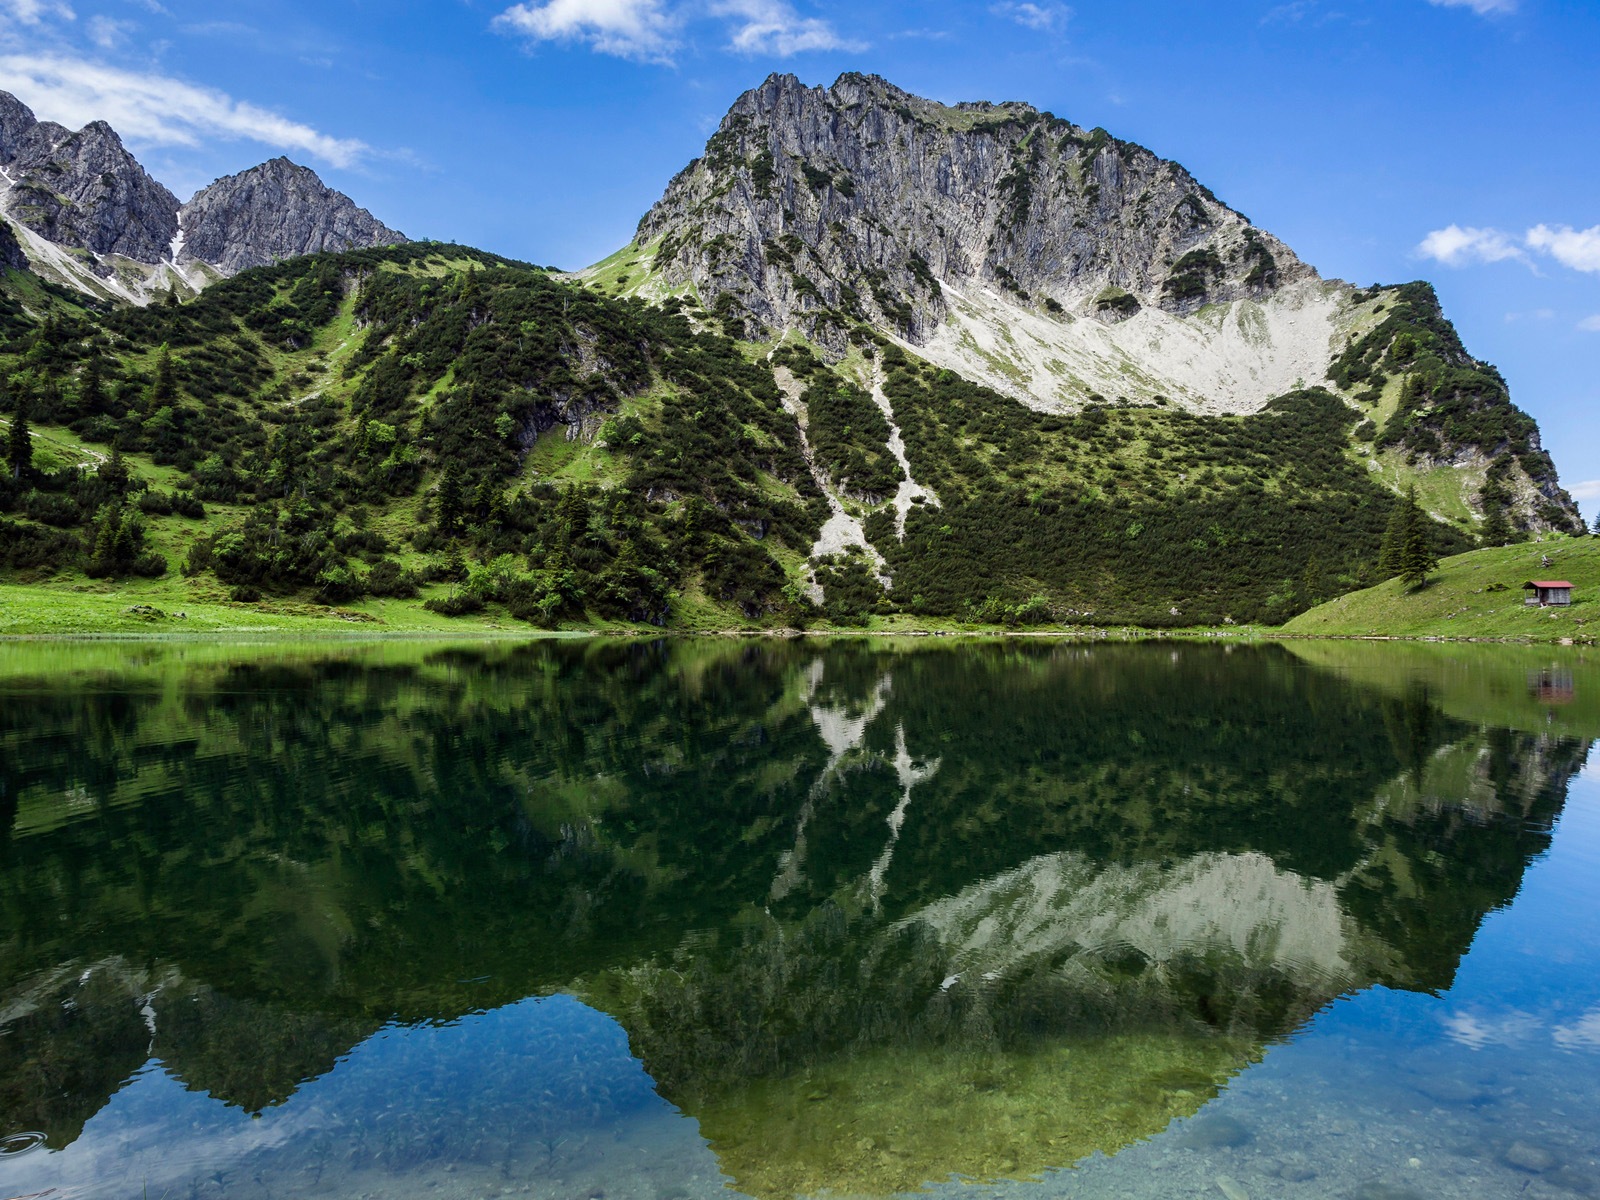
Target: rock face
x=84, y=191
x=12, y=257
x=275, y=211
x=88, y=215
x=861, y=200
x=1062, y=267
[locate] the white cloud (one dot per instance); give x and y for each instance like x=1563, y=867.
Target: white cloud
x=1590, y=324
x=1587, y=490
x=1484, y=8
x=1460, y=246
x=651, y=30
x=157, y=110
x=31, y=12
x=1575, y=248
x=644, y=30
x=773, y=27
x=107, y=32
x=1456, y=246
x=1047, y=18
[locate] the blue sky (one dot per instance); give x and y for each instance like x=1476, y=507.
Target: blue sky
x=1385, y=140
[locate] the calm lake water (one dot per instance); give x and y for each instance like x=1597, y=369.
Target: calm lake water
x=665, y=920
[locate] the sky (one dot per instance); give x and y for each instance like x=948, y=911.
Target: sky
x=1456, y=141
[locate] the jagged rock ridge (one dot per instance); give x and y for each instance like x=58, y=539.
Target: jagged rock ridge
x=1053, y=262
x=87, y=214
x=1058, y=265
x=275, y=211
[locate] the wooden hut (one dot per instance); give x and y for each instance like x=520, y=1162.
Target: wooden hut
x=1547, y=592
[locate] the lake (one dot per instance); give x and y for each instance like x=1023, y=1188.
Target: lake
x=669, y=919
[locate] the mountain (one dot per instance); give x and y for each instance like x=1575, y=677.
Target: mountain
x=1065, y=268
x=729, y=426
x=90, y=217
x=275, y=211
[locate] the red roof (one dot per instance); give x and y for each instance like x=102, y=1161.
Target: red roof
x=1548, y=583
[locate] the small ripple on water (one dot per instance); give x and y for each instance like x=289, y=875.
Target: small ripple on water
x=13, y=1145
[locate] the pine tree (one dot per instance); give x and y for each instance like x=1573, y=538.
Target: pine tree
x=1496, y=527
x=1394, y=536
x=449, y=509
x=92, y=389
x=165, y=388
x=1416, y=556
x=19, y=444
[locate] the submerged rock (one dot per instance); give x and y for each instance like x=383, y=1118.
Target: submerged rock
x=1214, y=1133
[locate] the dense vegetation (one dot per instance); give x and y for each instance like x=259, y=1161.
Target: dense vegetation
x=1449, y=402
x=443, y=424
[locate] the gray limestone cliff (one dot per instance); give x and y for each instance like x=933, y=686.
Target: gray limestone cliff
x=83, y=190
x=87, y=214
x=12, y=257
x=275, y=211
x=860, y=199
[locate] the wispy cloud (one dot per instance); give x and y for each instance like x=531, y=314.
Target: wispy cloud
x=1590, y=324
x=158, y=110
x=1046, y=18
x=1589, y=489
x=772, y=27
x=32, y=12
x=1575, y=248
x=1459, y=246
x=108, y=32
x=644, y=30
x=654, y=30
x=1484, y=8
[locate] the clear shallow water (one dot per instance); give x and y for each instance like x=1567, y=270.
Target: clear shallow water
x=659, y=921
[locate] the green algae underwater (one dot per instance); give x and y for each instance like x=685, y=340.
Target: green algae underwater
x=869, y=915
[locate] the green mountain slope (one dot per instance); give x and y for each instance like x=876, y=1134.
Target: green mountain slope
x=1474, y=595
x=436, y=425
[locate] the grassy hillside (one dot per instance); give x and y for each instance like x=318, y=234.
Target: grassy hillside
x=1474, y=595
x=375, y=432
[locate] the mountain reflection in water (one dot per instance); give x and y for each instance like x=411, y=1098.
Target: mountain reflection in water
x=875, y=915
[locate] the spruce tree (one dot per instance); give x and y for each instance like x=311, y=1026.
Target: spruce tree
x=1496, y=528
x=449, y=508
x=1416, y=556
x=19, y=444
x=165, y=388
x=1394, y=535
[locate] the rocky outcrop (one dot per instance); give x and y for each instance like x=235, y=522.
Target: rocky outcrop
x=91, y=217
x=12, y=257
x=863, y=201
x=84, y=191
x=275, y=211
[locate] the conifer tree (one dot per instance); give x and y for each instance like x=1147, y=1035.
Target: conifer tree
x=1416, y=556
x=92, y=389
x=19, y=444
x=1393, y=538
x=449, y=510
x=165, y=387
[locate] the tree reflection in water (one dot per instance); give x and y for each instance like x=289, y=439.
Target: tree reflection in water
x=875, y=914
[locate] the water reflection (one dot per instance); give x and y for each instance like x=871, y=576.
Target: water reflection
x=872, y=915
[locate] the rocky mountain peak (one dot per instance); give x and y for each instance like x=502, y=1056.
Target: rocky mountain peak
x=814, y=207
x=87, y=214
x=16, y=119
x=85, y=191
x=274, y=211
